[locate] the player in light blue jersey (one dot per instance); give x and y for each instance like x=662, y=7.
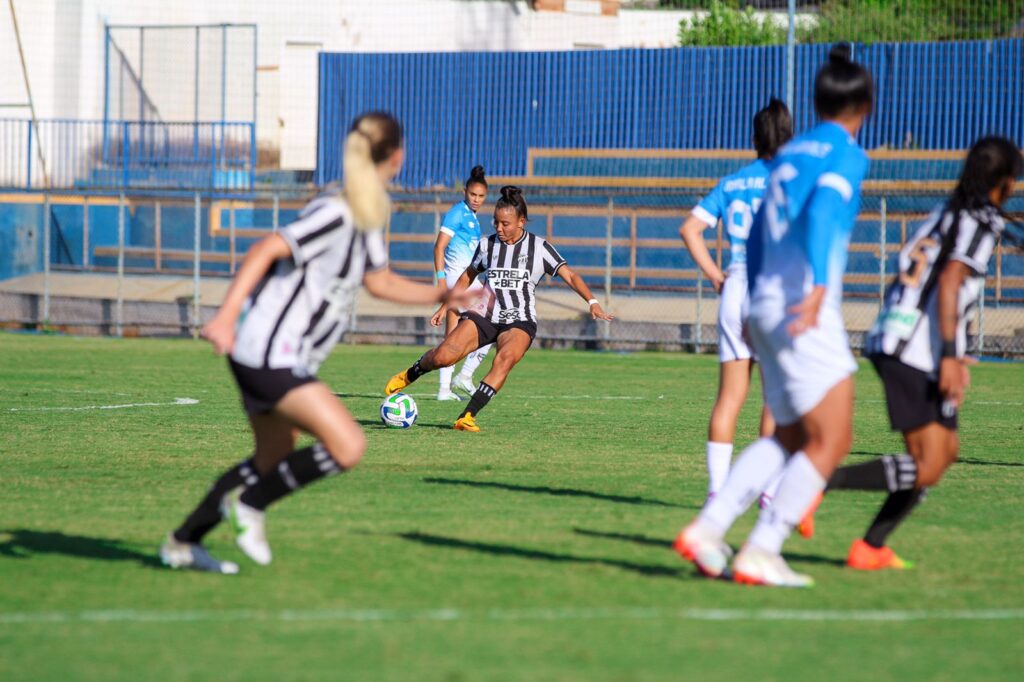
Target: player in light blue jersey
x=796, y=259
x=454, y=249
x=734, y=201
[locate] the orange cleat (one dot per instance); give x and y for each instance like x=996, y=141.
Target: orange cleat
x=397, y=383
x=806, y=525
x=466, y=423
x=864, y=557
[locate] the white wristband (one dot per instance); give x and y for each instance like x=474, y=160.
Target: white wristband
x=593, y=301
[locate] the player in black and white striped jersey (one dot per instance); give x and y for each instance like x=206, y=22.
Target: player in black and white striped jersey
x=287, y=306
x=514, y=261
x=918, y=344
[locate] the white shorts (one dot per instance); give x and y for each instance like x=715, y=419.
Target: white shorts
x=732, y=311
x=798, y=372
x=451, y=278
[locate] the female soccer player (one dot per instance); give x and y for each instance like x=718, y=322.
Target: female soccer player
x=919, y=342
x=454, y=249
x=796, y=258
x=734, y=200
x=287, y=306
x=514, y=260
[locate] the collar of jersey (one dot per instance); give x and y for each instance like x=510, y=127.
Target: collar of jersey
x=513, y=243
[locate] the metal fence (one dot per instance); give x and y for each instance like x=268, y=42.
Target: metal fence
x=122, y=154
x=160, y=264
x=930, y=96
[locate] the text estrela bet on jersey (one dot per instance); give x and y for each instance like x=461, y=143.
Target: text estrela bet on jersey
x=802, y=231
x=513, y=271
x=735, y=200
x=907, y=328
x=462, y=225
x=302, y=306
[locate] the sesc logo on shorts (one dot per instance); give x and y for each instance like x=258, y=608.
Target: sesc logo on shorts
x=508, y=278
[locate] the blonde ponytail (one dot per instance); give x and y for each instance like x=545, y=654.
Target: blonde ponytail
x=364, y=190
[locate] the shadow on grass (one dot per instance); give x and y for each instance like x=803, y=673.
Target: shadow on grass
x=557, y=492
x=970, y=461
x=377, y=424
x=21, y=543
x=543, y=555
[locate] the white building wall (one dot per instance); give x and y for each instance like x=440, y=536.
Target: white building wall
x=65, y=49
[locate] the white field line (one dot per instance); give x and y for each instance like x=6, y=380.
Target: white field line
x=125, y=406
x=506, y=615
x=560, y=397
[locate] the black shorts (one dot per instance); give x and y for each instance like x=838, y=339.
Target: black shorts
x=263, y=388
x=488, y=332
x=912, y=396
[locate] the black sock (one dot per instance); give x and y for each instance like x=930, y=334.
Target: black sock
x=297, y=470
x=415, y=372
x=479, y=401
x=889, y=472
x=896, y=508
x=207, y=515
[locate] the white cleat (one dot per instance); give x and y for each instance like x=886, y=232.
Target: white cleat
x=190, y=555
x=448, y=395
x=755, y=566
x=464, y=383
x=248, y=525
x=709, y=553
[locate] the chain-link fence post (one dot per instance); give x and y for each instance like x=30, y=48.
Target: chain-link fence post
x=231, y=234
x=46, y=260
x=158, y=228
x=197, y=220
x=119, y=307
x=981, y=322
x=698, y=331
x=791, y=53
x=883, y=253
x=606, y=331
x=85, y=233
x=276, y=217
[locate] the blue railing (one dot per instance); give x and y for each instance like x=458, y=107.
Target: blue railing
x=459, y=109
x=127, y=154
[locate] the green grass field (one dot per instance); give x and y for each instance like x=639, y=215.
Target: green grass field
x=538, y=549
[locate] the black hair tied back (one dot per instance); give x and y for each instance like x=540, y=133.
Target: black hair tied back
x=477, y=177
x=842, y=85
x=773, y=127
x=512, y=197
x=840, y=54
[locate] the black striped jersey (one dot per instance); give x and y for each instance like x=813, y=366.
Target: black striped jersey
x=907, y=327
x=303, y=305
x=512, y=272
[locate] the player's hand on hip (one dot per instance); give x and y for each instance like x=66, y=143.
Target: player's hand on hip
x=806, y=312
x=221, y=333
x=952, y=375
x=598, y=313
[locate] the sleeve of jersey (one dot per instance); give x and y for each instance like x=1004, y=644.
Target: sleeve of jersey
x=828, y=202
x=452, y=221
x=376, y=251
x=553, y=260
x=975, y=241
x=711, y=207
x=311, y=235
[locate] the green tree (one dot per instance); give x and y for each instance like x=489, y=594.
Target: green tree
x=727, y=24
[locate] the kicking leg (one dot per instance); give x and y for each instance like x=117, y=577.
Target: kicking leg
x=457, y=345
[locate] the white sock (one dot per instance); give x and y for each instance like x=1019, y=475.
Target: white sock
x=773, y=488
x=800, y=484
x=473, y=361
x=719, y=459
x=445, y=375
x=753, y=470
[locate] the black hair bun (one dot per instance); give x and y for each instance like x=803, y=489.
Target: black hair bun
x=477, y=174
x=840, y=54
x=512, y=194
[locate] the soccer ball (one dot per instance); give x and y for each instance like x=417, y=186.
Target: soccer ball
x=399, y=411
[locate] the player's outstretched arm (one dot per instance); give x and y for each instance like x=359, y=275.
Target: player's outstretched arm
x=692, y=233
x=220, y=331
x=387, y=285
x=577, y=284
x=457, y=293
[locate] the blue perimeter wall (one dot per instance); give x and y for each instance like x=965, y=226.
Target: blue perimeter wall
x=463, y=108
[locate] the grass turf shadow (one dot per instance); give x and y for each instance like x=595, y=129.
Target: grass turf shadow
x=970, y=461
x=557, y=492
x=494, y=549
x=22, y=543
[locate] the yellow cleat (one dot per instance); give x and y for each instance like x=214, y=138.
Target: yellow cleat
x=397, y=383
x=467, y=423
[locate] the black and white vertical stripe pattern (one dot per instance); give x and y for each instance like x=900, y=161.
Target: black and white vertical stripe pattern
x=299, y=311
x=966, y=236
x=513, y=271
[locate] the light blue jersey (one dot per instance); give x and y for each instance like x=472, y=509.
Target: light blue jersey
x=801, y=234
x=735, y=201
x=461, y=224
